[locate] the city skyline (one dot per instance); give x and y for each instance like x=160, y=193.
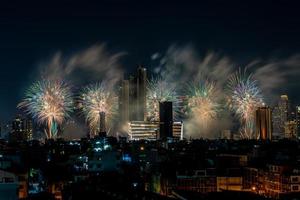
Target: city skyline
x=35, y=36
x=160, y=100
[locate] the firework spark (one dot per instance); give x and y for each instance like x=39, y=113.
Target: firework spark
x=94, y=99
x=49, y=102
x=159, y=90
x=202, y=105
x=244, y=97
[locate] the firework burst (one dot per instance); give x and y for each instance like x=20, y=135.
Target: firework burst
x=159, y=90
x=94, y=99
x=49, y=102
x=244, y=98
x=202, y=105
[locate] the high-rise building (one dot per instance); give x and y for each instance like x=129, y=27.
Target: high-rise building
x=297, y=119
x=124, y=101
x=102, y=131
x=141, y=79
x=263, y=123
x=283, y=108
x=137, y=95
x=280, y=115
x=166, y=119
x=21, y=129
x=276, y=125
x=132, y=98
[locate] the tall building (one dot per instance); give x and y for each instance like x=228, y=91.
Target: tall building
x=283, y=109
x=277, y=128
x=166, y=120
x=137, y=95
x=263, y=123
x=21, y=129
x=280, y=115
x=141, y=93
x=124, y=101
x=102, y=131
x=297, y=118
x=132, y=98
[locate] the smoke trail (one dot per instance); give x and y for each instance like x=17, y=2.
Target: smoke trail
x=95, y=63
x=182, y=64
x=275, y=75
x=90, y=65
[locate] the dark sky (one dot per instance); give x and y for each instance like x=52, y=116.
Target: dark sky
x=31, y=32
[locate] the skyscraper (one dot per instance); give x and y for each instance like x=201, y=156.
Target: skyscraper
x=283, y=108
x=166, y=120
x=132, y=98
x=276, y=125
x=297, y=119
x=263, y=123
x=141, y=79
x=124, y=101
x=137, y=95
x=21, y=129
x=102, y=131
x=280, y=115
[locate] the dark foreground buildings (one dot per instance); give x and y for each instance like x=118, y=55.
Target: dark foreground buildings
x=111, y=168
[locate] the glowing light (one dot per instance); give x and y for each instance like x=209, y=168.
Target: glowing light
x=202, y=104
x=49, y=102
x=244, y=97
x=159, y=90
x=95, y=98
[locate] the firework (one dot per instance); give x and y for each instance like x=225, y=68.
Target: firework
x=244, y=97
x=202, y=105
x=49, y=102
x=95, y=99
x=159, y=90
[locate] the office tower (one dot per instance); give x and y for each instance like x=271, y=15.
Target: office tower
x=28, y=129
x=21, y=129
x=280, y=115
x=102, y=131
x=132, y=98
x=263, y=123
x=297, y=119
x=276, y=125
x=166, y=119
x=124, y=101
x=283, y=109
x=137, y=95
x=141, y=79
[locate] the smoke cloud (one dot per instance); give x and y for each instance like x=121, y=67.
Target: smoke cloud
x=180, y=65
x=274, y=75
x=95, y=63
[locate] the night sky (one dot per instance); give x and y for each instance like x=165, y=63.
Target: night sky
x=31, y=33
